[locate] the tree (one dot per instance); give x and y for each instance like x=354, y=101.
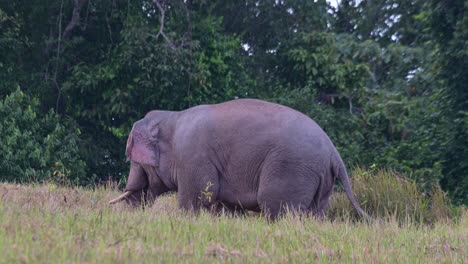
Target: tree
x=449, y=27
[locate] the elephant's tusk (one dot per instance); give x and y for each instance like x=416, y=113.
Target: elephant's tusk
x=121, y=197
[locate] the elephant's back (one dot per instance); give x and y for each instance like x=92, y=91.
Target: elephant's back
x=256, y=116
x=255, y=123
x=251, y=107
x=250, y=112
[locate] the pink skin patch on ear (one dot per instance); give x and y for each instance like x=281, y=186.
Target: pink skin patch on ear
x=139, y=149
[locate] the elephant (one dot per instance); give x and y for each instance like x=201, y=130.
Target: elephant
x=246, y=153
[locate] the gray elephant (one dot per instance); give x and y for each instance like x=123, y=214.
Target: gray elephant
x=245, y=153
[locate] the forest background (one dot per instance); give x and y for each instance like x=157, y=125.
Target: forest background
x=386, y=79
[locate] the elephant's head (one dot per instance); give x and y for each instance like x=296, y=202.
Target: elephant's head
x=143, y=151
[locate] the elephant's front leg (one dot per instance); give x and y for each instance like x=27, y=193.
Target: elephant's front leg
x=194, y=198
x=198, y=189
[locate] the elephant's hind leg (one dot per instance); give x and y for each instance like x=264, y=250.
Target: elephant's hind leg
x=319, y=205
x=284, y=189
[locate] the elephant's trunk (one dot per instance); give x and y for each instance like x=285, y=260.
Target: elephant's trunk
x=121, y=197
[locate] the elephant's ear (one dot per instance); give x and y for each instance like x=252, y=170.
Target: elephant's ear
x=142, y=148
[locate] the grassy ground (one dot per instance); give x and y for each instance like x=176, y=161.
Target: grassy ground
x=48, y=224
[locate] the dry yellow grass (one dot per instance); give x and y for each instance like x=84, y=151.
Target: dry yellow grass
x=50, y=224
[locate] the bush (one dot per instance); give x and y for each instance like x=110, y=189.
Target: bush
x=37, y=147
x=385, y=194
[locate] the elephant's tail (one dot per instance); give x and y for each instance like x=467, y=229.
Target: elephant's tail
x=339, y=169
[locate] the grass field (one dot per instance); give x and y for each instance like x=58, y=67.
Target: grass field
x=50, y=224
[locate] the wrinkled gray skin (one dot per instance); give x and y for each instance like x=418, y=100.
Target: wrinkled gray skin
x=245, y=153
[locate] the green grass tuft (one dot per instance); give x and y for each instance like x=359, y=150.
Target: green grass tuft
x=385, y=194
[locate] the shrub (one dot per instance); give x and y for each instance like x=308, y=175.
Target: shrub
x=385, y=194
x=37, y=147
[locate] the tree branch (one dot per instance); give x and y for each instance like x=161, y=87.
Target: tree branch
x=75, y=20
x=159, y=4
x=187, y=8
x=57, y=58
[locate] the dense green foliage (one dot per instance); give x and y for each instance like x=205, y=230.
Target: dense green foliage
x=37, y=147
x=385, y=79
